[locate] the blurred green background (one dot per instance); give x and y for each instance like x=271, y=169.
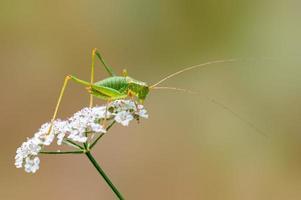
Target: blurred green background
x=189, y=148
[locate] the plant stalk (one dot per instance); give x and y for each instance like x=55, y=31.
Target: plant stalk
x=61, y=152
x=102, y=173
x=95, y=141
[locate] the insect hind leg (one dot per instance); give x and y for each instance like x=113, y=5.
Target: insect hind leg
x=67, y=78
x=107, y=67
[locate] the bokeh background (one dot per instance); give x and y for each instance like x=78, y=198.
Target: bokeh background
x=189, y=148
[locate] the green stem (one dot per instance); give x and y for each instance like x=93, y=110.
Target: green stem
x=92, y=145
x=71, y=143
x=61, y=152
x=102, y=173
x=95, y=141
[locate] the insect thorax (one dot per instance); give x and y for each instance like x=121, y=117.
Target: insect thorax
x=138, y=88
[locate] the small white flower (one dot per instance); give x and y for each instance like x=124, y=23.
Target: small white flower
x=31, y=165
x=97, y=128
x=61, y=128
x=43, y=136
x=123, y=105
x=124, y=118
x=19, y=159
x=60, y=138
x=142, y=112
x=100, y=112
x=77, y=136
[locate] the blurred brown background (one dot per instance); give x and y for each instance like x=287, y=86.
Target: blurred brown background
x=189, y=148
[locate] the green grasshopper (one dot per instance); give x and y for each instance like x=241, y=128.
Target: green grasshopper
x=121, y=87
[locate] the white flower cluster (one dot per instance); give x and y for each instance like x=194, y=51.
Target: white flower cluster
x=77, y=129
x=125, y=111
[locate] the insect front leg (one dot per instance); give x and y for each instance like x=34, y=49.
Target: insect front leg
x=131, y=95
x=108, y=94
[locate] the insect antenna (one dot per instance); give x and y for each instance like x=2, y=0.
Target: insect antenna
x=219, y=104
x=177, y=89
x=244, y=120
x=203, y=65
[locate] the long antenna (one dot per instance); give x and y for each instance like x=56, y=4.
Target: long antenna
x=248, y=122
x=175, y=88
x=203, y=65
x=221, y=105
